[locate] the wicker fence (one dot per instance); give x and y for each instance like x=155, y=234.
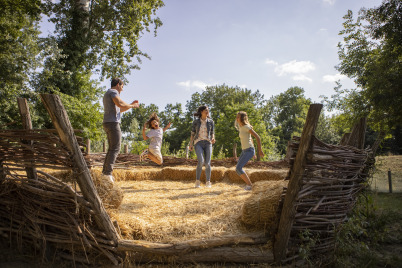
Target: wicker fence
x=39, y=209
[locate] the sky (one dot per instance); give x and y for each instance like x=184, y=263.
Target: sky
x=265, y=45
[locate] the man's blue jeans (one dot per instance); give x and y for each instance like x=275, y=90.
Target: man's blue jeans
x=244, y=157
x=203, y=150
x=113, y=133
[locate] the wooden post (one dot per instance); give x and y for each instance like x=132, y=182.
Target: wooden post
x=63, y=126
x=289, y=152
x=356, y=138
x=235, y=150
x=187, y=151
x=88, y=146
x=295, y=183
x=390, y=181
x=104, y=146
x=26, y=124
x=2, y=173
x=125, y=148
x=344, y=139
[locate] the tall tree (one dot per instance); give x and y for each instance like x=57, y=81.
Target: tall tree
x=285, y=115
x=371, y=55
x=92, y=38
x=224, y=103
x=19, y=49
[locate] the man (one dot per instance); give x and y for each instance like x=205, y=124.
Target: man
x=113, y=107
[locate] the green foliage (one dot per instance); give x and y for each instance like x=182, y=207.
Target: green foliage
x=285, y=115
x=138, y=146
x=371, y=54
x=327, y=131
x=308, y=240
x=224, y=102
x=360, y=240
x=19, y=49
x=105, y=36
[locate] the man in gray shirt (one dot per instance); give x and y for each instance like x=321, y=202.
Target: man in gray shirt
x=113, y=107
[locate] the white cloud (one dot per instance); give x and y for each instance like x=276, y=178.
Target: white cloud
x=302, y=77
x=333, y=78
x=193, y=84
x=295, y=67
x=270, y=62
x=331, y=2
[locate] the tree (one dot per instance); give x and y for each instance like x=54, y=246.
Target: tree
x=285, y=115
x=91, y=38
x=224, y=103
x=19, y=49
x=371, y=55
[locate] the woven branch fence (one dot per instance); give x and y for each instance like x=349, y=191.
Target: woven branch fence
x=332, y=179
x=39, y=209
x=46, y=210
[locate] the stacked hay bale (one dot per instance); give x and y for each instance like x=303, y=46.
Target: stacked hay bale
x=260, y=209
x=110, y=193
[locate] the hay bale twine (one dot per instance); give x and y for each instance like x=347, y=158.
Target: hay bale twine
x=260, y=209
x=110, y=193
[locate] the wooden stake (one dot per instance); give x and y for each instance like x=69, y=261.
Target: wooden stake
x=26, y=124
x=63, y=126
x=235, y=150
x=88, y=146
x=295, y=183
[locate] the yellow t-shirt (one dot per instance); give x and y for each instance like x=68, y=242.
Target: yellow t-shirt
x=245, y=137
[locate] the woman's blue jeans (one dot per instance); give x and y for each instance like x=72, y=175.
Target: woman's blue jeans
x=245, y=155
x=203, y=150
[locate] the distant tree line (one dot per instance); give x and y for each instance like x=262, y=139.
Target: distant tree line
x=101, y=38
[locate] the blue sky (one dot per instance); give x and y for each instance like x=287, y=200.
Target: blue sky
x=255, y=44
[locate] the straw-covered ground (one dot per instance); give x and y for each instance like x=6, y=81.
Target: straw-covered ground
x=161, y=204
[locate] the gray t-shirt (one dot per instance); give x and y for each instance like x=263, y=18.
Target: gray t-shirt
x=111, y=111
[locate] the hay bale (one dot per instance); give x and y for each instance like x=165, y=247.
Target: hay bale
x=179, y=173
x=260, y=209
x=218, y=173
x=267, y=174
x=137, y=174
x=231, y=174
x=110, y=193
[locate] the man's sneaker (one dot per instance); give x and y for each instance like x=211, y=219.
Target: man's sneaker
x=109, y=178
x=248, y=188
x=197, y=184
x=144, y=155
x=208, y=184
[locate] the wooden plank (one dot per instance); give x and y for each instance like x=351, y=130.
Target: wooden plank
x=62, y=123
x=191, y=245
x=26, y=124
x=295, y=183
x=246, y=255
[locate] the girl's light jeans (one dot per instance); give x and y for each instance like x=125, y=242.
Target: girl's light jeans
x=203, y=150
x=245, y=155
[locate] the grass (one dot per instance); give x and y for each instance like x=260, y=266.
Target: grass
x=384, y=164
x=373, y=235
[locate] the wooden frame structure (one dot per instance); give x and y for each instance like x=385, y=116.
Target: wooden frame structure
x=322, y=179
